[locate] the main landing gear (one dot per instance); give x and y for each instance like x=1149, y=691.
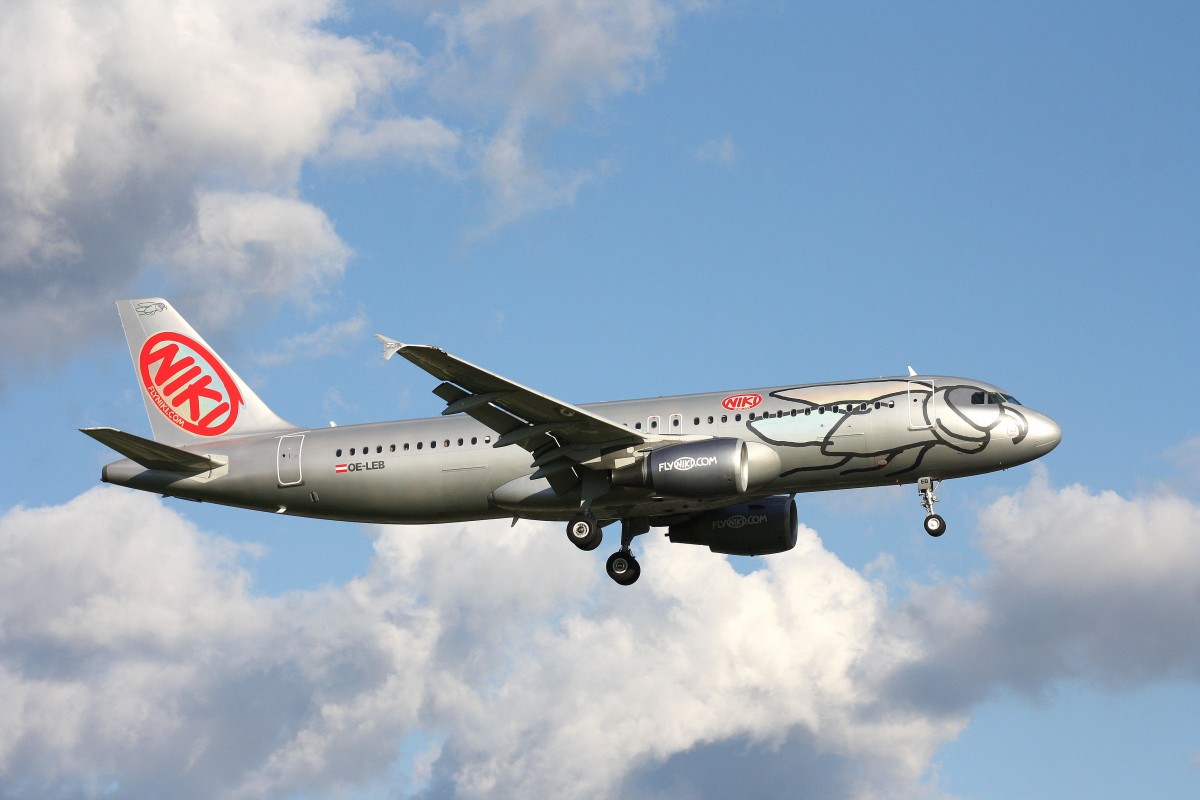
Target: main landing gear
x=622, y=567
x=934, y=524
x=585, y=533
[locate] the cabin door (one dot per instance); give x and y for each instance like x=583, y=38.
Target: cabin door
x=289, y=459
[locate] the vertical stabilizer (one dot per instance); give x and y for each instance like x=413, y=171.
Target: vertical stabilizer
x=191, y=394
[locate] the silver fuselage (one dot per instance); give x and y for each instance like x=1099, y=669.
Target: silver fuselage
x=826, y=436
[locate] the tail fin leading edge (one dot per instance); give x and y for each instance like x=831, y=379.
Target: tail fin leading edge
x=191, y=394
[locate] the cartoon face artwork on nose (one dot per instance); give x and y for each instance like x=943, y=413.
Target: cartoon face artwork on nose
x=970, y=417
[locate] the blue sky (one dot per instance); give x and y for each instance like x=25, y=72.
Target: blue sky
x=608, y=200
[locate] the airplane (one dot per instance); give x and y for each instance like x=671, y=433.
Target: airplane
x=717, y=469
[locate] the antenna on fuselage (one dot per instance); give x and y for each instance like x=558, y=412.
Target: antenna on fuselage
x=912, y=373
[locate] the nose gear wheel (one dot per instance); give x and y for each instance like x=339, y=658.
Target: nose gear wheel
x=934, y=524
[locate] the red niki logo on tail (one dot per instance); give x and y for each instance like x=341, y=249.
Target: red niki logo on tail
x=188, y=384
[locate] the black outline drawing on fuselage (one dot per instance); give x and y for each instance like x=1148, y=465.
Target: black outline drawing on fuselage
x=948, y=426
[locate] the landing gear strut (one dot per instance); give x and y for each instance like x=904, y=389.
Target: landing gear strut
x=934, y=524
x=622, y=567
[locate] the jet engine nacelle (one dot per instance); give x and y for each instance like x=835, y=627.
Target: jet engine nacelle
x=747, y=529
x=710, y=468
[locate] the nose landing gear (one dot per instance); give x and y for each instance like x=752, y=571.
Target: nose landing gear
x=934, y=524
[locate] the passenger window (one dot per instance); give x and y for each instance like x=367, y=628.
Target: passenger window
x=487, y=440
x=710, y=420
x=433, y=444
x=724, y=418
x=737, y=417
x=696, y=421
x=378, y=448
x=446, y=443
x=460, y=442
x=406, y=447
x=339, y=453
x=653, y=424
x=474, y=440
x=751, y=415
x=637, y=426
x=351, y=451
x=420, y=445
x=392, y=448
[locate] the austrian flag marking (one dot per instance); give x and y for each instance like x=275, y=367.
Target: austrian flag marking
x=339, y=468
x=188, y=384
x=741, y=402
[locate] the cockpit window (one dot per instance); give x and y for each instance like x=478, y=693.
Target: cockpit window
x=992, y=399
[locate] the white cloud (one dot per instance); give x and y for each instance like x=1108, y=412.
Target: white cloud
x=518, y=189
x=1082, y=585
x=325, y=340
x=171, y=136
x=134, y=653
x=424, y=142
x=1186, y=458
x=528, y=64
x=155, y=664
x=130, y=128
x=538, y=58
x=717, y=151
x=266, y=246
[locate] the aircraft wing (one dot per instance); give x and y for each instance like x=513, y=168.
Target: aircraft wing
x=559, y=434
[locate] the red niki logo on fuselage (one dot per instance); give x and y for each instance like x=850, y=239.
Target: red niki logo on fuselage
x=188, y=384
x=741, y=402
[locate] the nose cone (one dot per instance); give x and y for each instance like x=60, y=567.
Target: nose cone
x=1044, y=433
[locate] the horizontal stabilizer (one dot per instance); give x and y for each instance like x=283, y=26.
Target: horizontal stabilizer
x=151, y=454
